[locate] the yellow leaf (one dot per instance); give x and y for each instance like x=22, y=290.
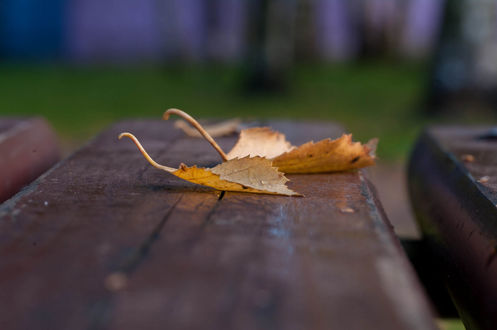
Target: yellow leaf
x=255, y=175
x=327, y=156
x=254, y=172
x=324, y=156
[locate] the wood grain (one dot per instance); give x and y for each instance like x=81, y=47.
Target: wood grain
x=105, y=241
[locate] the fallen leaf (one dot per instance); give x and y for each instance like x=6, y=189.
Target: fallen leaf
x=215, y=130
x=327, y=156
x=248, y=174
x=324, y=156
x=260, y=141
x=312, y=157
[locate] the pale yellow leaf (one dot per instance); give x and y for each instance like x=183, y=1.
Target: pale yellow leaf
x=256, y=172
x=260, y=141
x=255, y=175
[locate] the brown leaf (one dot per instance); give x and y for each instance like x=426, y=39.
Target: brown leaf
x=324, y=156
x=327, y=156
x=255, y=175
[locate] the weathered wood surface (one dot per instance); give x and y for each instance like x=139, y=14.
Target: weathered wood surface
x=453, y=187
x=105, y=241
x=28, y=147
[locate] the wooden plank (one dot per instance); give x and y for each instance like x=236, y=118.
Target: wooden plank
x=105, y=241
x=28, y=147
x=453, y=187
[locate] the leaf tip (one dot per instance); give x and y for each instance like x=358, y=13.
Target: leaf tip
x=371, y=147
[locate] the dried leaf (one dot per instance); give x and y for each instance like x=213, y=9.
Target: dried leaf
x=324, y=156
x=215, y=130
x=327, y=156
x=255, y=175
x=260, y=141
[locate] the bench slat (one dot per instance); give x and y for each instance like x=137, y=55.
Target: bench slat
x=107, y=241
x=28, y=147
x=458, y=215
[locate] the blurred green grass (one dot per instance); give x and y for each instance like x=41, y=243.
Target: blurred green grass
x=371, y=99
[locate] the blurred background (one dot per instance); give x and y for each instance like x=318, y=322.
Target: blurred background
x=382, y=68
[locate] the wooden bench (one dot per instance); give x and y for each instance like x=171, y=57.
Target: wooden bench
x=106, y=241
x=28, y=147
x=453, y=187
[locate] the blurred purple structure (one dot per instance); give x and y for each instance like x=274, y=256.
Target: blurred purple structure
x=112, y=30
x=464, y=72
x=227, y=35
x=422, y=24
x=151, y=30
x=336, y=37
x=349, y=29
x=381, y=22
x=184, y=24
x=194, y=30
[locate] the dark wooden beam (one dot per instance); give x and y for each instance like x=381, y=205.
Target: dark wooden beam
x=105, y=241
x=453, y=187
x=28, y=147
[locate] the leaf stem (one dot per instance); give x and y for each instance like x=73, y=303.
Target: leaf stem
x=145, y=154
x=195, y=124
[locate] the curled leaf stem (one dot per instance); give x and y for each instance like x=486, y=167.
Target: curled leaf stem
x=195, y=124
x=145, y=154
